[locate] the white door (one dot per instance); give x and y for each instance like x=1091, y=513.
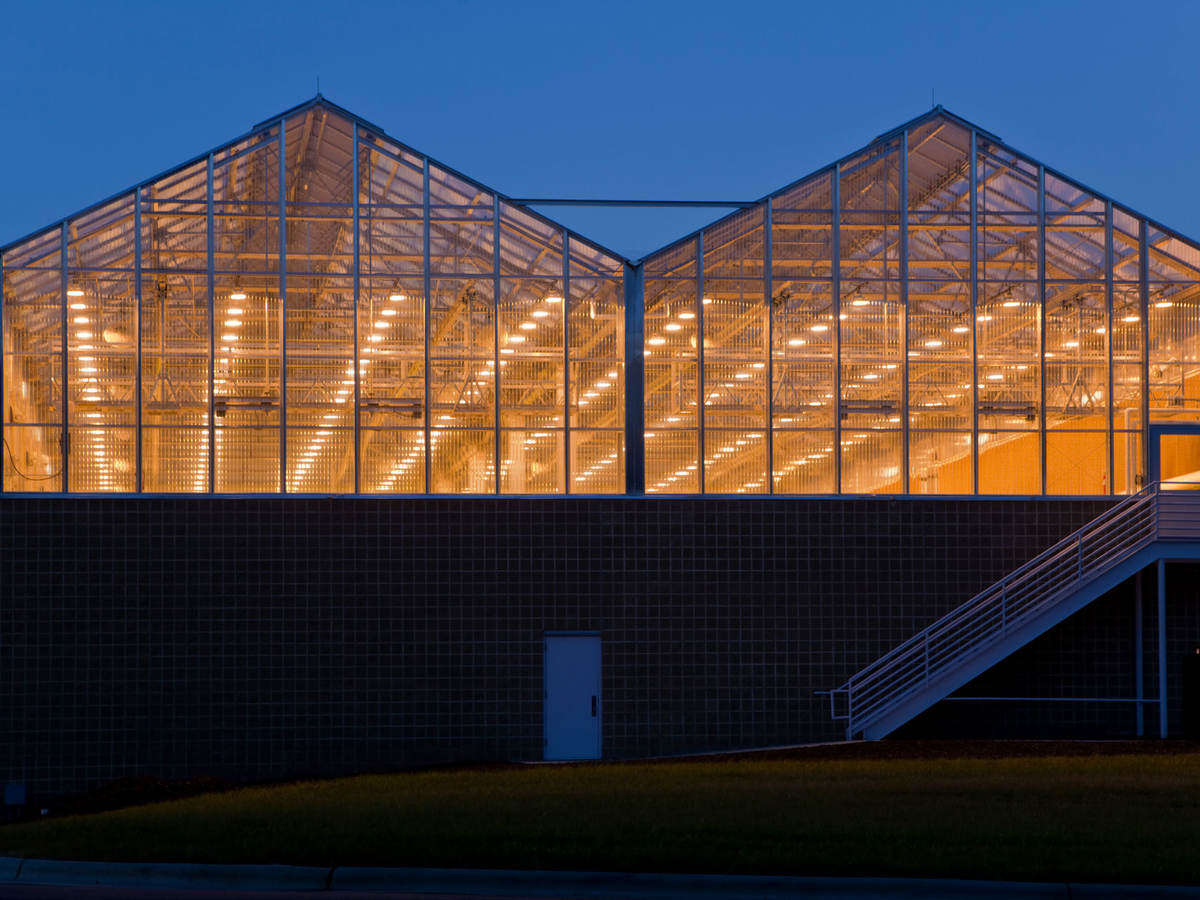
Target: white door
x=572, y=696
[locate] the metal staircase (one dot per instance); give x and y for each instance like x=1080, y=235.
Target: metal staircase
x=1161, y=521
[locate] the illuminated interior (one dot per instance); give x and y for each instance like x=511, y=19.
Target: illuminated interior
x=370, y=322
x=945, y=317
x=316, y=308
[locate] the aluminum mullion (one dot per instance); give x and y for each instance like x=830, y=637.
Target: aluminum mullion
x=496, y=336
x=1144, y=314
x=700, y=379
x=566, y=318
x=354, y=175
x=1041, y=232
x=282, y=307
x=1108, y=332
x=212, y=417
x=427, y=284
x=974, y=280
x=770, y=348
x=65, y=441
x=836, y=212
x=635, y=381
x=906, y=418
x=137, y=324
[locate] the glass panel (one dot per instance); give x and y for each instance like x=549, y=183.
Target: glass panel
x=1179, y=461
x=940, y=462
x=672, y=462
x=393, y=461
x=804, y=462
x=1076, y=356
x=175, y=221
x=460, y=225
x=320, y=460
x=597, y=462
x=462, y=353
x=103, y=459
x=247, y=458
x=531, y=462
x=1010, y=462
x=802, y=369
x=1076, y=462
x=1126, y=249
x=1128, y=462
x=870, y=461
x=463, y=462
x=32, y=297
x=174, y=460
x=596, y=321
x=736, y=462
x=391, y=333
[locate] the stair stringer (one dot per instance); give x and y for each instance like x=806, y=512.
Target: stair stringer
x=942, y=684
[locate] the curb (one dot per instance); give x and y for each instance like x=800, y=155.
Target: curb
x=524, y=883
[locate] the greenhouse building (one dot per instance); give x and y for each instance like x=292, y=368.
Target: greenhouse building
x=320, y=456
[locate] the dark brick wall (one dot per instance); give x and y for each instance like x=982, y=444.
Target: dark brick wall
x=262, y=638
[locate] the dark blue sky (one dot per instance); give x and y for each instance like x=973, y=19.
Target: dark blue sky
x=684, y=100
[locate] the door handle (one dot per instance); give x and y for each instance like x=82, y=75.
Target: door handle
x=593, y=706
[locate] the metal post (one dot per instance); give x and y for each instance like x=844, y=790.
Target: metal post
x=1139, y=662
x=768, y=288
x=974, y=276
x=635, y=381
x=836, y=213
x=137, y=324
x=496, y=336
x=1108, y=331
x=1162, y=648
x=1041, y=312
x=65, y=442
x=283, y=306
x=700, y=379
x=427, y=314
x=354, y=177
x=566, y=358
x=1144, y=317
x=212, y=349
x=905, y=418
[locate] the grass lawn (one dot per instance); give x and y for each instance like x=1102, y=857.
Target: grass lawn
x=1126, y=818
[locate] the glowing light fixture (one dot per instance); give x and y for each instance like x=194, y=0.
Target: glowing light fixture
x=396, y=298
x=74, y=292
x=237, y=295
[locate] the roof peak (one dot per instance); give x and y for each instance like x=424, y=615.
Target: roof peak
x=324, y=102
x=938, y=111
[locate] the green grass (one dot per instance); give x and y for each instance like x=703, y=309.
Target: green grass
x=1100, y=819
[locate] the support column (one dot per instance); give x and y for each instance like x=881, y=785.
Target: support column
x=1139, y=657
x=1162, y=649
x=635, y=381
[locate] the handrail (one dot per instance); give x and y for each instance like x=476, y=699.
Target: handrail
x=998, y=609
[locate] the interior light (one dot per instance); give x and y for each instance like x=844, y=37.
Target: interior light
x=657, y=341
x=396, y=298
x=229, y=338
x=528, y=326
x=232, y=323
x=80, y=320
x=84, y=335
x=797, y=342
x=237, y=295
x=382, y=324
x=818, y=328
x=1100, y=330
x=1163, y=304
x=687, y=314
x=1071, y=344
x=74, y=292
x=540, y=313
x=861, y=303
x=1130, y=319
x=961, y=329
x=983, y=318
x=554, y=299
x=934, y=343
x=1011, y=303
x=995, y=376
x=707, y=301
x=78, y=306
x=235, y=311
x=516, y=338
x=376, y=338
x=672, y=326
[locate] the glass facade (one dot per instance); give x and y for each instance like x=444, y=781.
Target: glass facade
x=945, y=316
x=312, y=309
x=315, y=308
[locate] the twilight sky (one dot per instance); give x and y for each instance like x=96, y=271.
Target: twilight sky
x=621, y=99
